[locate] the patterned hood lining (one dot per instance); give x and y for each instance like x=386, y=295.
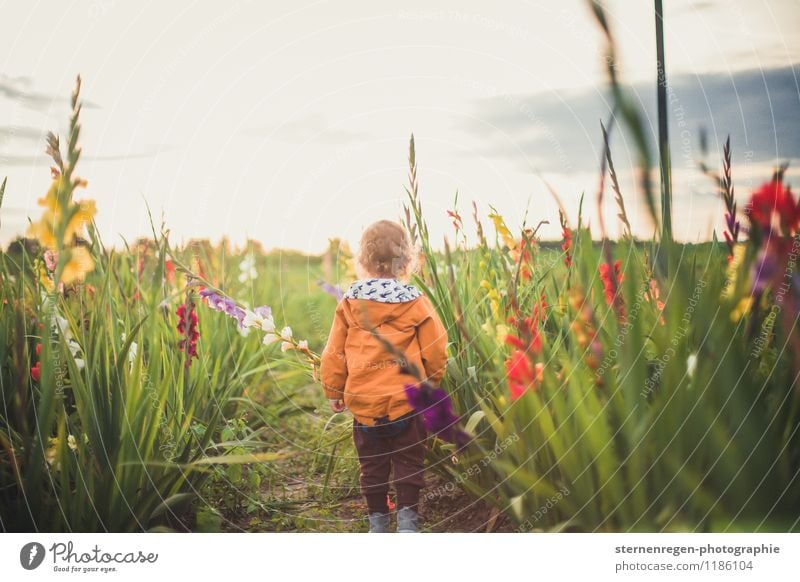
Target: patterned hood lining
x=382, y=291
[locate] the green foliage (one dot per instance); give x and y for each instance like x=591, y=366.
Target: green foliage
x=647, y=416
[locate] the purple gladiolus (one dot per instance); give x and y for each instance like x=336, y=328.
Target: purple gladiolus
x=225, y=305
x=332, y=290
x=264, y=311
x=436, y=408
x=764, y=271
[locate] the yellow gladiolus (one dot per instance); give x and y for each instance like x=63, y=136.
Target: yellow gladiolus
x=501, y=333
x=742, y=308
x=57, y=228
x=45, y=230
x=502, y=230
x=79, y=265
x=80, y=217
x=44, y=278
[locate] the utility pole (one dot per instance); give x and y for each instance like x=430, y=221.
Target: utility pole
x=663, y=139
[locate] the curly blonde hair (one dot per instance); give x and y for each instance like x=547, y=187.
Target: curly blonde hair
x=386, y=251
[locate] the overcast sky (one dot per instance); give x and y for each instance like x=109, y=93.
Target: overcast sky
x=288, y=122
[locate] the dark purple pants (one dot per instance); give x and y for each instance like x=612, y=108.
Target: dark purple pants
x=378, y=455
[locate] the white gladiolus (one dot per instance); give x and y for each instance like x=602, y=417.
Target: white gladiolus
x=74, y=348
x=253, y=319
x=270, y=338
x=63, y=327
x=286, y=333
x=248, y=269
x=691, y=364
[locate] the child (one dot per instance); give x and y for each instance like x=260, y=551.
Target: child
x=360, y=374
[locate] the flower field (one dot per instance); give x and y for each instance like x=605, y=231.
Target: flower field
x=592, y=385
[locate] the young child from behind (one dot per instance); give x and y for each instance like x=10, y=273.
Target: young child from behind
x=360, y=374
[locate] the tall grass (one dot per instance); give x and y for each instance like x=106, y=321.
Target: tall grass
x=657, y=409
x=104, y=425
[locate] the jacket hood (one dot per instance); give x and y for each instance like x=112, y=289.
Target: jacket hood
x=375, y=302
x=382, y=290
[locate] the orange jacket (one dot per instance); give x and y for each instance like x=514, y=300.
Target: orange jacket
x=356, y=367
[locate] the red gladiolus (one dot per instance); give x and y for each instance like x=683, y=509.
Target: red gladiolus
x=528, y=329
x=456, y=217
x=773, y=200
x=610, y=285
x=169, y=268
x=566, y=246
x=521, y=375
x=36, y=372
x=38, y=350
x=187, y=327
x=541, y=309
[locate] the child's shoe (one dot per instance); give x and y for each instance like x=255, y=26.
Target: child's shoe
x=407, y=520
x=378, y=523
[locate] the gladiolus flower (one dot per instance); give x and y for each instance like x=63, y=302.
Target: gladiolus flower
x=773, y=201
x=611, y=280
x=775, y=213
x=566, y=246
x=502, y=230
x=260, y=317
x=456, y=217
x=74, y=347
x=187, y=327
x=248, y=269
x=691, y=364
x=436, y=408
x=79, y=265
x=331, y=290
x=67, y=220
x=77, y=217
x=528, y=330
x=169, y=269
x=286, y=333
x=36, y=372
x=50, y=260
x=224, y=305
x=521, y=375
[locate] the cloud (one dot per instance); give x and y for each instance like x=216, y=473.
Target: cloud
x=18, y=89
x=560, y=132
x=18, y=132
x=43, y=159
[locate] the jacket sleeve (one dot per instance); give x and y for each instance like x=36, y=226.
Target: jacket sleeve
x=333, y=366
x=432, y=337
